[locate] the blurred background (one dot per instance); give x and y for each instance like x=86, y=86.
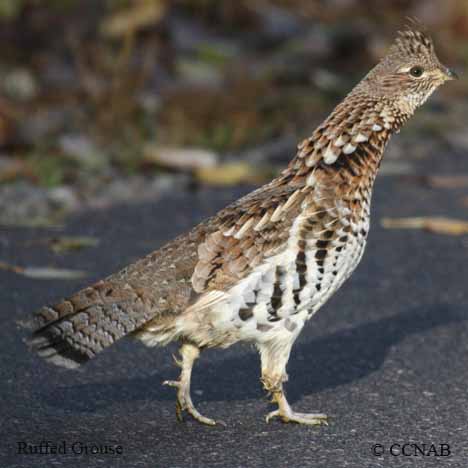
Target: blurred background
x=120, y=101
x=125, y=122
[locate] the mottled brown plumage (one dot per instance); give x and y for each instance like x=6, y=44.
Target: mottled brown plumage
x=265, y=264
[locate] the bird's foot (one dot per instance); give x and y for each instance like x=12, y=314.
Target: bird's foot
x=285, y=412
x=184, y=403
x=312, y=419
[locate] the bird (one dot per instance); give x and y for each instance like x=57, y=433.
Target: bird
x=260, y=268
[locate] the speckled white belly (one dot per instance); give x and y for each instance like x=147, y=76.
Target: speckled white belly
x=252, y=311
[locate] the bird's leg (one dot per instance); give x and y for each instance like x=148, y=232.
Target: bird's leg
x=286, y=413
x=189, y=353
x=274, y=360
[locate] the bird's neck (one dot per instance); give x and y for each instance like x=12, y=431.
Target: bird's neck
x=351, y=140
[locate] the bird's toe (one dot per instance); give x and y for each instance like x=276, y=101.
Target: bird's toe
x=311, y=419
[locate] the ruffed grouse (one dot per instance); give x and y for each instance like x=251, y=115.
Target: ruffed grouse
x=263, y=266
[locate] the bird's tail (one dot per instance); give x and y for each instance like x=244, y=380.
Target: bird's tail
x=78, y=328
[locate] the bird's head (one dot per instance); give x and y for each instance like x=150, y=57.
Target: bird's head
x=408, y=74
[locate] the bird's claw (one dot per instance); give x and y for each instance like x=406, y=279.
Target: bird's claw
x=184, y=403
x=311, y=419
x=178, y=362
x=172, y=383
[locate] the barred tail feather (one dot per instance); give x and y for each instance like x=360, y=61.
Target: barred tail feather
x=77, y=329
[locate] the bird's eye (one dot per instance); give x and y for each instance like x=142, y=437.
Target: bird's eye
x=416, y=71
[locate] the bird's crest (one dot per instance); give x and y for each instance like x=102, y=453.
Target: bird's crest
x=412, y=42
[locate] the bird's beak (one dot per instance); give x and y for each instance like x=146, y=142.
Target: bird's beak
x=450, y=74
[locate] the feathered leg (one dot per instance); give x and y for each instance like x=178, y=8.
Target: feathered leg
x=189, y=353
x=274, y=357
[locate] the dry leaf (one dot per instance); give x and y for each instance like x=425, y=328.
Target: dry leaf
x=438, y=225
x=180, y=158
x=448, y=181
x=67, y=243
x=53, y=273
x=232, y=174
x=140, y=15
x=43, y=272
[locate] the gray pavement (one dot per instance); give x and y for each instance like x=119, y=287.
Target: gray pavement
x=386, y=358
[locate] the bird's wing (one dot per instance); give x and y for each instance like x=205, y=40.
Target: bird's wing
x=75, y=329
x=194, y=269
x=244, y=235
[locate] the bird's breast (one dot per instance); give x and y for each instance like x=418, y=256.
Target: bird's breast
x=275, y=299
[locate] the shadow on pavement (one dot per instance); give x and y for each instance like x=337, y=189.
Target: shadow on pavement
x=321, y=364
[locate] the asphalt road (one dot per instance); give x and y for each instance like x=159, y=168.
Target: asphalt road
x=386, y=358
